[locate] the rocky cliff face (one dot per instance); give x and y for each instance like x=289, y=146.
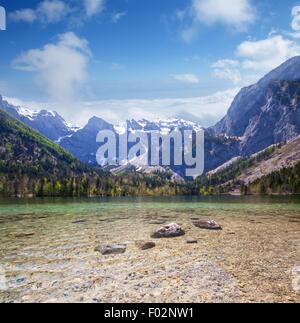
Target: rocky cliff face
x=82, y=144
x=267, y=112
x=278, y=119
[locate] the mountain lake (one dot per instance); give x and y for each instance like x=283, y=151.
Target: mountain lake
x=49, y=250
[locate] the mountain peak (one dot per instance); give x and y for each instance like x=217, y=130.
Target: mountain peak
x=160, y=124
x=96, y=121
x=95, y=124
x=287, y=71
x=267, y=112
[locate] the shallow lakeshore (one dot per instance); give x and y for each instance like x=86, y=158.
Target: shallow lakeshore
x=48, y=252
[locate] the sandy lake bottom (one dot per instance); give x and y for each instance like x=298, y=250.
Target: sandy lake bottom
x=47, y=251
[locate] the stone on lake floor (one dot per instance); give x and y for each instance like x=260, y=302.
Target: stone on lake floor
x=78, y=221
x=157, y=222
x=113, y=249
x=21, y=280
x=209, y=225
x=191, y=241
x=145, y=245
x=171, y=230
x=21, y=234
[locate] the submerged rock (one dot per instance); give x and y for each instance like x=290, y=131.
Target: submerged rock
x=209, y=225
x=145, y=245
x=171, y=230
x=191, y=241
x=21, y=280
x=21, y=235
x=112, y=249
x=78, y=221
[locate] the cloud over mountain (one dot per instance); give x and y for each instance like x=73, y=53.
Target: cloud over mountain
x=60, y=67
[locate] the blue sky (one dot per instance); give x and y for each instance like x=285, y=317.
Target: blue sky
x=120, y=59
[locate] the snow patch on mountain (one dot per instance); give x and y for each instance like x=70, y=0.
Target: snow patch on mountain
x=47, y=122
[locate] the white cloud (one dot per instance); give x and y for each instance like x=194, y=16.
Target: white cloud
x=227, y=69
x=206, y=110
x=186, y=78
x=93, y=7
x=117, y=16
x=26, y=15
x=264, y=55
x=47, y=11
x=234, y=76
x=60, y=67
x=255, y=58
x=237, y=14
x=53, y=11
x=189, y=33
x=223, y=63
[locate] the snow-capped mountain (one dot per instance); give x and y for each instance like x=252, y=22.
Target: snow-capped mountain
x=261, y=115
x=161, y=125
x=81, y=142
x=83, y=145
x=48, y=123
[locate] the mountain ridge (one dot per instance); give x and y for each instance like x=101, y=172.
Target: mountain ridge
x=274, y=170
x=47, y=122
x=32, y=165
x=254, y=108
x=261, y=115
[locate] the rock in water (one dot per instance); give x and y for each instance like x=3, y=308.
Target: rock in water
x=111, y=249
x=191, y=241
x=145, y=245
x=22, y=235
x=79, y=221
x=168, y=231
x=209, y=225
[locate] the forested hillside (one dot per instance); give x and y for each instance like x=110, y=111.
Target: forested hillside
x=275, y=170
x=31, y=165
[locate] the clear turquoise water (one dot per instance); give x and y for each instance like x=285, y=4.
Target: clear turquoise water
x=88, y=205
x=47, y=249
